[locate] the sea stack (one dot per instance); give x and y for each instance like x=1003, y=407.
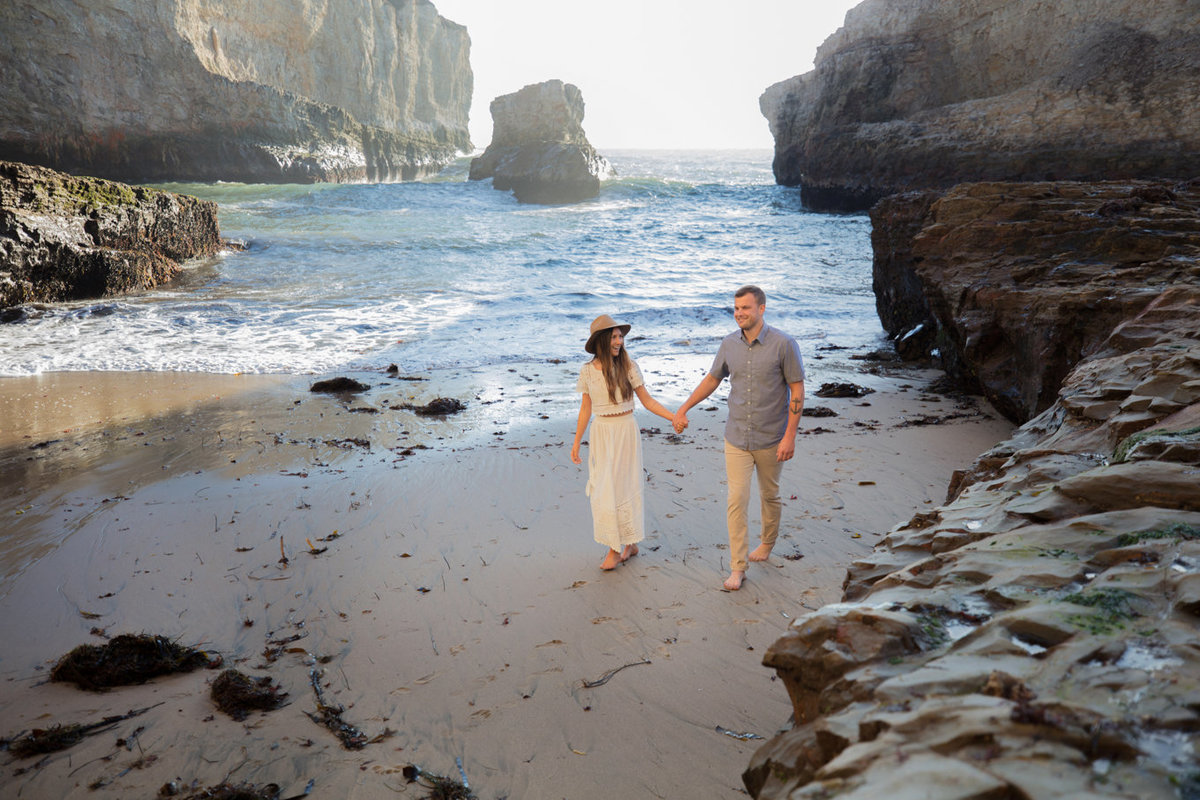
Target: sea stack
x=925, y=94
x=539, y=149
x=69, y=238
x=148, y=91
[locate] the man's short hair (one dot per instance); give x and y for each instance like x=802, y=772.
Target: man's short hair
x=758, y=293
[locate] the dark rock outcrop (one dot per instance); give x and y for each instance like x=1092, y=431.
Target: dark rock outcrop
x=1012, y=285
x=538, y=147
x=68, y=238
x=1037, y=635
x=156, y=90
x=918, y=94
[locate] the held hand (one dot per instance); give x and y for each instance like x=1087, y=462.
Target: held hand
x=680, y=422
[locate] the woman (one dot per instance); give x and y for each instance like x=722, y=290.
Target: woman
x=608, y=383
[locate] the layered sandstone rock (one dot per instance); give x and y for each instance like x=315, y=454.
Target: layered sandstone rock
x=1037, y=636
x=539, y=149
x=69, y=238
x=156, y=90
x=915, y=94
x=1011, y=285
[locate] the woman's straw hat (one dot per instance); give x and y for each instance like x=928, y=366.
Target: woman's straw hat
x=603, y=323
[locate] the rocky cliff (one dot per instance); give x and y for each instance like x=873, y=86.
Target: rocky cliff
x=1036, y=636
x=311, y=90
x=69, y=238
x=1013, y=284
x=915, y=94
x=539, y=149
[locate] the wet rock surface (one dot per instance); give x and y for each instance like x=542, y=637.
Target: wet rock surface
x=918, y=94
x=68, y=238
x=539, y=149
x=1037, y=636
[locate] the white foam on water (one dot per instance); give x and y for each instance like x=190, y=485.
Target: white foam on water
x=453, y=273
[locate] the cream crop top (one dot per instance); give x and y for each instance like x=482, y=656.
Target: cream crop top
x=591, y=382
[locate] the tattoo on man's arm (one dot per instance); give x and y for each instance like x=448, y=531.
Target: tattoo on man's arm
x=796, y=406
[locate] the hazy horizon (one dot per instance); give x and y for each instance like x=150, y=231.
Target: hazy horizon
x=655, y=74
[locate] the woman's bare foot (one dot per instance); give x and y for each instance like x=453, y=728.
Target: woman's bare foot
x=612, y=560
x=761, y=553
x=629, y=552
x=734, y=581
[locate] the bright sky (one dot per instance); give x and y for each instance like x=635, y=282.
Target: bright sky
x=654, y=73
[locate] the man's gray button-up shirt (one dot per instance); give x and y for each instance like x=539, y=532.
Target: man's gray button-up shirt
x=759, y=373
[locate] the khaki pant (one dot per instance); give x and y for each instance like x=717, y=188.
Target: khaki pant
x=739, y=466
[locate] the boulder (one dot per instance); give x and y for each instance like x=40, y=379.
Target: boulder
x=68, y=238
x=917, y=94
x=539, y=149
x=183, y=90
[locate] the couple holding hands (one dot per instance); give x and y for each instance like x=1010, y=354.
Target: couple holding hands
x=766, y=396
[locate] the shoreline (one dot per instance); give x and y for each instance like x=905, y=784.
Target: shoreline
x=458, y=601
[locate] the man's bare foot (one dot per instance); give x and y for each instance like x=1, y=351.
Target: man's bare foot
x=734, y=581
x=629, y=552
x=761, y=553
x=611, y=560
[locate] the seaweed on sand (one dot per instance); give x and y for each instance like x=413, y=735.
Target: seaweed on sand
x=440, y=787
x=237, y=694
x=127, y=659
x=331, y=717
x=59, y=737
x=339, y=385
x=226, y=791
x=437, y=407
x=47, y=740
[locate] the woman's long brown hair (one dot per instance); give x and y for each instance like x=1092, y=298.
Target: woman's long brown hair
x=616, y=370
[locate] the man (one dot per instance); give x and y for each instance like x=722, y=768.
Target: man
x=766, y=396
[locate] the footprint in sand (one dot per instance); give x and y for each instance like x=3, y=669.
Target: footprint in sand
x=382, y=769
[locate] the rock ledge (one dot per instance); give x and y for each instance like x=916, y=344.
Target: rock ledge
x=68, y=238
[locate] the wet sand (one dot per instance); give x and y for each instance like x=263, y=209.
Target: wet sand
x=456, y=601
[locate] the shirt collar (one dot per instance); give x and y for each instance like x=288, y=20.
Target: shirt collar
x=762, y=334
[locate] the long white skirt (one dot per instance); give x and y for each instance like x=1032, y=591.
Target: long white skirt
x=615, y=481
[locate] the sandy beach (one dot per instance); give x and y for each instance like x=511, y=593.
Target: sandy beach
x=439, y=573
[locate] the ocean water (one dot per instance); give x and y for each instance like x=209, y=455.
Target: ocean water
x=451, y=273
